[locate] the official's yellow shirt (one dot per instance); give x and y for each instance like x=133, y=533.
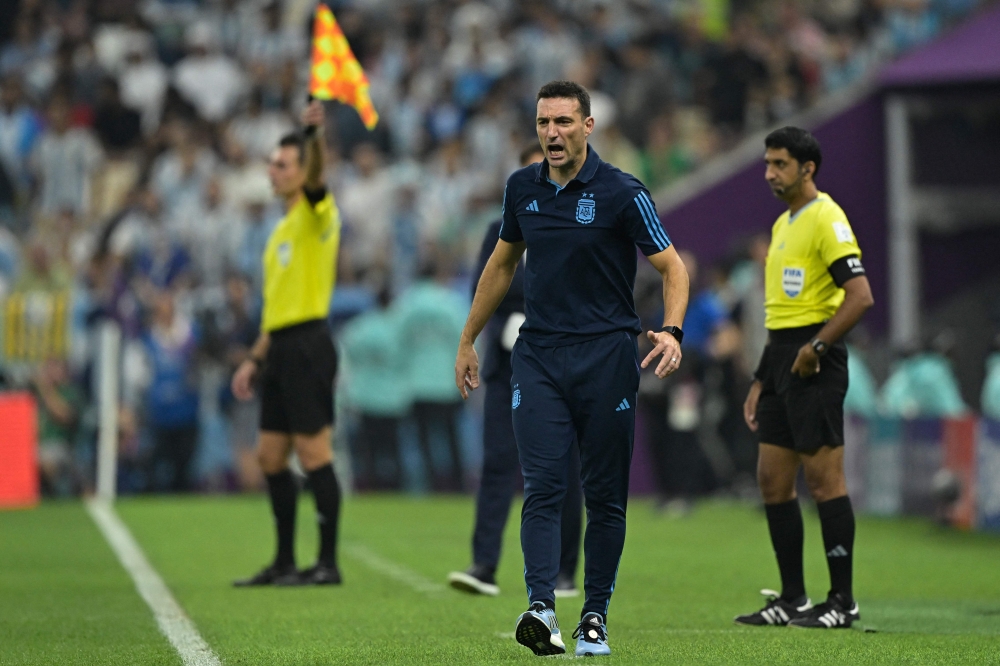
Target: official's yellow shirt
x=798, y=287
x=300, y=264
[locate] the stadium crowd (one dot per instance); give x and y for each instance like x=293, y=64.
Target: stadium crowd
x=133, y=187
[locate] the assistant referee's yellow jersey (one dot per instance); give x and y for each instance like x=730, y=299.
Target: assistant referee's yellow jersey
x=799, y=289
x=300, y=264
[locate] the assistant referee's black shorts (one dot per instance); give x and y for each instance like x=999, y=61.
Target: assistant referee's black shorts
x=297, y=379
x=796, y=413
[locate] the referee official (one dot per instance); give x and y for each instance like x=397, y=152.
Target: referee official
x=294, y=359
x=815, y=291
x=575, y=363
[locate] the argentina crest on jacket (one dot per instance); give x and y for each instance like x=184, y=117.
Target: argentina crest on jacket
x=585, y=208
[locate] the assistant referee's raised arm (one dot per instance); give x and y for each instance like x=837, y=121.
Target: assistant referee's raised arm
x=493, y=286
x=313, y=118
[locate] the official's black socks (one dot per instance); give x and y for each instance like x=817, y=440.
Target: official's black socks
x=284, y=494
x=326, y=490
x=836, y=518
x=785, y=524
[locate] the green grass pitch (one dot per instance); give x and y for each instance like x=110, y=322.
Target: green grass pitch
x=933, y=596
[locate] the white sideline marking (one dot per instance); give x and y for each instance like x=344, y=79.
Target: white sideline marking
x=173, y=622
x=387, y=567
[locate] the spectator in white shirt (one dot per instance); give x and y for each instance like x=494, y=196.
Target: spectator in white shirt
x=143, y=85
x=211, y=81
x=259, y=129
x=366, y=202
x=178, y=176
x=65, y=162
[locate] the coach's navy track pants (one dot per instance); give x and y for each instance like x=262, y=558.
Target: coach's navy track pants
x=581, y=393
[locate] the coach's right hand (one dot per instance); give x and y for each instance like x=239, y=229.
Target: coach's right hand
x=466, y=368
x=242, y=385
x=750, y=405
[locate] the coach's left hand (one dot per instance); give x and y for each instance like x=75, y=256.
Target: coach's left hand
x=466, y=368
x=806, y=362
x=666, y=344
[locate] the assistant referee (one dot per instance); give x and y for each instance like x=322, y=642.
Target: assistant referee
x=815, y=291
x=294, y=357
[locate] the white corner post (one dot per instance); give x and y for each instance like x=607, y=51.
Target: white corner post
x=109, y=352
x=904, y=268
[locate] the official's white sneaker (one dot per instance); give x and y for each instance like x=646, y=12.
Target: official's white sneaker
x=474, y=580
x=834, y=613
x=776, y=612
x=566, y=587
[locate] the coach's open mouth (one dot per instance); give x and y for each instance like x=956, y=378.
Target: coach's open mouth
x=556, y=151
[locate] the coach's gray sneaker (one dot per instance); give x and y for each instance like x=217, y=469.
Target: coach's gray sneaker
x=476, y=579
x=538, y=630
x=777, y=612
x=837, y=612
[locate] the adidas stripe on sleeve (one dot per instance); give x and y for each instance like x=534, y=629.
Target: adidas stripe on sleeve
x=643, y=224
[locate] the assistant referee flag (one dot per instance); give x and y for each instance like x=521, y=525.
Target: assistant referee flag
x=335, y=73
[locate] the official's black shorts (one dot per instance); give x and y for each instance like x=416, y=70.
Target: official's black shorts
x=796, y=413
x=297, y=379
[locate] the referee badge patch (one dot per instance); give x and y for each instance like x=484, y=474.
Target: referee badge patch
x=585, y=209
x=285, y=253
x=792, y=281
x=843, y=232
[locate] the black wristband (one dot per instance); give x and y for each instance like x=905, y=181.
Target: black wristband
x=310, y=131
x=674, y=331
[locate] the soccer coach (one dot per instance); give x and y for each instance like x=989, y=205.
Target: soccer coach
x=575, y=363
x=815, y=291
x=294, y=354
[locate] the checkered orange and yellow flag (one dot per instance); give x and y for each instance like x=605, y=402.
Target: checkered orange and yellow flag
x=336, y=74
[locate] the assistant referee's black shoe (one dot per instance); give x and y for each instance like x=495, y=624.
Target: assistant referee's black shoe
x=318, y=574
x=837, y=612
x=267, y=576
x=777, y=612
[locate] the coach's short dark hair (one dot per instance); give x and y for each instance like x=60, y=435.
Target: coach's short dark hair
x=295, y=139
x=567, y=89
x=799, y=143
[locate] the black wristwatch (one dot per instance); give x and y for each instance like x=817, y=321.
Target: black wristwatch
x=820, y=347
x=674, y=331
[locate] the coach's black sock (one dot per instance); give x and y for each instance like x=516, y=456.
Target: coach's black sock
x=326, y=490
x=785, y=524
x=284, y=499
x=836, y=517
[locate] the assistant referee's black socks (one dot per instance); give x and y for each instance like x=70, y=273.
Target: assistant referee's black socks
x=836, y=518
x=784, y=521
x=284, y=494
x=326, y=490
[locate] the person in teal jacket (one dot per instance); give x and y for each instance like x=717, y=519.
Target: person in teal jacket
x=431, y=318
x=376, y=386
x=862, y=391
x=922, y=385
x=991, y=387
